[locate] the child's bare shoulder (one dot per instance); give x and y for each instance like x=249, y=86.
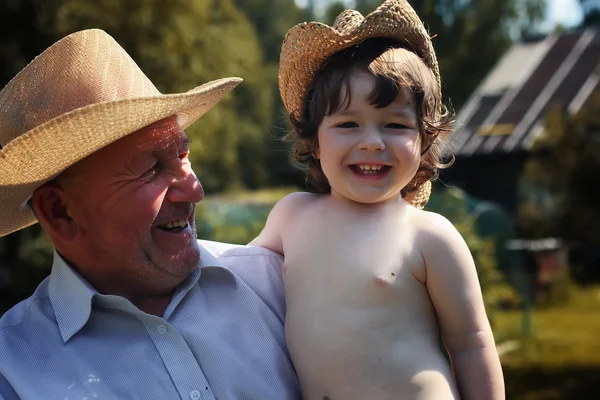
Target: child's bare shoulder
x=441, y=245
x=297, y=199
x=430, y=220
x=434, y=231
x=293, y=202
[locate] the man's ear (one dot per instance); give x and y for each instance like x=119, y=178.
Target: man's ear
x=50, y=205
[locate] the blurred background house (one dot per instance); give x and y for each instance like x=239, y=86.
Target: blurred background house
x=497, y=127
x=498, y=135
x=523, y=76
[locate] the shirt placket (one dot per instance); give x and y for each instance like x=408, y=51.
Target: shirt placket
x=182, y=366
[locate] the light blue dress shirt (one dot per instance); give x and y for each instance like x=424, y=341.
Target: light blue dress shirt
x=221, y=337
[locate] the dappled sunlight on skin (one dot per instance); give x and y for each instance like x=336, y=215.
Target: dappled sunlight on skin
x=161, y=137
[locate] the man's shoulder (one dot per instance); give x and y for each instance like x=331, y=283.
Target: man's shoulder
x=22, y=311
x=259, y=268
x=24, y=325
x=223, y=251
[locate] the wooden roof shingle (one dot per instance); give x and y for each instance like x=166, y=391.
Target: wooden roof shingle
x=507, y=110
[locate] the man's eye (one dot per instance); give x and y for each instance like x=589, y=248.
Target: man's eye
x=185, y=155
x=151, y=173
x=396, y=126
x=347, y=125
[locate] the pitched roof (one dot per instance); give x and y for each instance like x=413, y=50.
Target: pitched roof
x=506, y=111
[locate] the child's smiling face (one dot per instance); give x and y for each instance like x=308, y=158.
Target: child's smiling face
x=369, y=154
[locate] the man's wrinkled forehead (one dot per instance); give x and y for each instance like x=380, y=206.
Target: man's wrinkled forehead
x=165, y=133
x=161, y=135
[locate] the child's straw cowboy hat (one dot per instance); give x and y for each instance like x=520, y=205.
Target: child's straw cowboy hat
x=307, y=45
x=81, y=94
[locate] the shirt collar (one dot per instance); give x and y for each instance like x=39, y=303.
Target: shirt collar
x=71, y=297
x=71, y=294
x=207, y=260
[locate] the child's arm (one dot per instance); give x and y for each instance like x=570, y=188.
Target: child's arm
x=280, y=215
x=454, y=289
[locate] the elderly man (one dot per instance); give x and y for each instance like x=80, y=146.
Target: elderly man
x=134, y=306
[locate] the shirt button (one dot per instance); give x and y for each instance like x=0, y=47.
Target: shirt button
x=161, y=329
x=194, y=395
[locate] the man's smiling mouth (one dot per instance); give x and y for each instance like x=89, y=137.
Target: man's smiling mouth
x=174, y=226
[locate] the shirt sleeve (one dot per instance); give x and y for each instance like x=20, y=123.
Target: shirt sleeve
x=261, y=270
x=6, y=390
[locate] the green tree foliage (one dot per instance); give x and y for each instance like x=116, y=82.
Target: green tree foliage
x=560, y=196
x=24, y=35
x=271, y=19
x=469, y=35
x=591, y=12
x=333, y=10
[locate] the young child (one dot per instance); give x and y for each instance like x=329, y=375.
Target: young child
x=369, y=275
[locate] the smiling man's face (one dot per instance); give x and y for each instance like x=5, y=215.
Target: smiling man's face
x=134, y=203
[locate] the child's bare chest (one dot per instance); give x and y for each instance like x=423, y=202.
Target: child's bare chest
x=357, y=253
x=357, y=316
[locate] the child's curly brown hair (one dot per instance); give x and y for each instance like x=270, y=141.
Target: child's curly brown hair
x=393, y=67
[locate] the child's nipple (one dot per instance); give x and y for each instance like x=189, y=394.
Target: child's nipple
x=385, y=280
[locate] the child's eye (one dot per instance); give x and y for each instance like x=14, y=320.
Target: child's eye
x=396, y=126
x=185, y=155
x=347, y=125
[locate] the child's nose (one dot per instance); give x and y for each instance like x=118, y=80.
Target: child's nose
x=372, y=141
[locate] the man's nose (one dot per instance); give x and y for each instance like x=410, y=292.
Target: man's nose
x=371, y=140
x=186, y=188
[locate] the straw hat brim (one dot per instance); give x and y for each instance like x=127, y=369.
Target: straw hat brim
x=68, y=138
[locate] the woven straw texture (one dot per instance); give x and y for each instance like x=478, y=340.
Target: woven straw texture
x=307, y=45
x=419, y=197
x=81, y=94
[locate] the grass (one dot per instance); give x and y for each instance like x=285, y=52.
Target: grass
x=561, y=334
x=561, y=359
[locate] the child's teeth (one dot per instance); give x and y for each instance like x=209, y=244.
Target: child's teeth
x=370, y=167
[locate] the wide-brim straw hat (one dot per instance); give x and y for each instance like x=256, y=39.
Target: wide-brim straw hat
x=308, y=45
x=80, y=95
